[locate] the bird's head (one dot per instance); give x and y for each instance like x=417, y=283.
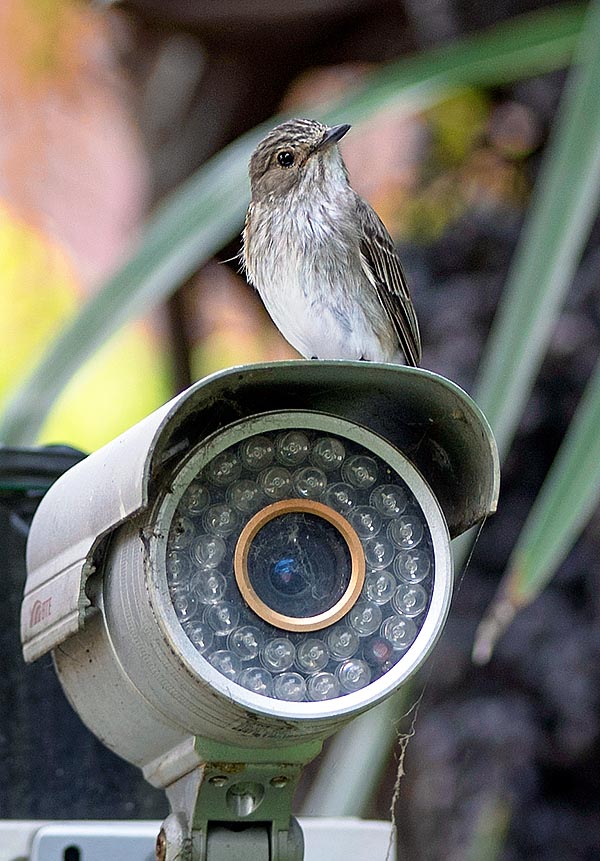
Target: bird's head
x=295, y=156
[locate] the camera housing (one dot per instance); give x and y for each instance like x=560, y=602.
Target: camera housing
x=255, y=563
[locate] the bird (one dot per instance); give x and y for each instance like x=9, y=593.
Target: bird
x=319, y=256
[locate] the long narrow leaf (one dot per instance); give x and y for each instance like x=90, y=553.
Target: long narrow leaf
x=566, y=204
x=562, y=211
x=206, y=211
x=558, y=224
x=569, y=495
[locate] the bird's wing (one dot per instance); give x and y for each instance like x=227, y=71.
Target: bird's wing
x=384, y=271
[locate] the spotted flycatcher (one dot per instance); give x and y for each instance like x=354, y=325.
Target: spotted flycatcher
x=320, y=256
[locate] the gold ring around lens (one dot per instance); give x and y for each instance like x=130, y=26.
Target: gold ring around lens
x=304, y=623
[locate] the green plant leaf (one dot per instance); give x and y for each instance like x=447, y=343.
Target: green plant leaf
x=207, y=211
x=564, y=208
x=568, y=498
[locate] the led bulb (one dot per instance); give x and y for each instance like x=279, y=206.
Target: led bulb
x=245, y=642
x=390, y=500
x=278, y=654
x=178, y=566
x=222, y=618
x=195, y=499
x=223, y=469
x=360, y=471
x=328, y=453
x=208, y=586
x=200, y=634
x=366, y=521
x=379, y=552
x=226, y=663
x=399, y=631
x=292, y=448
x=412, y=566
x=289, y=686
x=342, y=642
x=209, y=551
x=245, y=495
x=341, y=497
x=354, y=675
x=181, y=534
x=221, y=519
x=323, y=686
x=309, y=482
x=257, y=453
x=380, y=586
x=312, y=655
x=365, y=618
x=185, y=605
x=406, y=532
x=379, y=652
x=410, y=599
x=276, y=482
x=257, y=679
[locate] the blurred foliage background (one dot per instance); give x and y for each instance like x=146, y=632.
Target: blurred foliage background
x=125, y=134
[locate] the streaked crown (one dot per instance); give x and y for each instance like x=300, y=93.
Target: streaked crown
x=277, y=163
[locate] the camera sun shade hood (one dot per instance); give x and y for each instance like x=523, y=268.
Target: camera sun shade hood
x=431, y=420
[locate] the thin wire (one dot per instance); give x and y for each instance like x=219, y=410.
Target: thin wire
x=404, y=738
x=470, y=556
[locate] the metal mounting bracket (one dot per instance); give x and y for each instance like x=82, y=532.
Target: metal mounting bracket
x=238, y=802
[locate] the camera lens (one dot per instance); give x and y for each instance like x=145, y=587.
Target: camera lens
x=299, y=564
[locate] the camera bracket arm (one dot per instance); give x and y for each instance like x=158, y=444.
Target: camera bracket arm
x=237, y=803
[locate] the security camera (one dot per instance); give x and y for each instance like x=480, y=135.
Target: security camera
x=243, y=572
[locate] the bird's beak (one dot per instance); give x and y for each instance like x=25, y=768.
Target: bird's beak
x=333, y=135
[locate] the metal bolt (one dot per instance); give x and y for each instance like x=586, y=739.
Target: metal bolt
x=218, y=780
x=279, y=782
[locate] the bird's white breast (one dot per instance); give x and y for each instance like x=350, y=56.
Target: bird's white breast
x=304, y=260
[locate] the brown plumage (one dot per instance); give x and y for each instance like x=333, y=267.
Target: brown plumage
x=320, y=256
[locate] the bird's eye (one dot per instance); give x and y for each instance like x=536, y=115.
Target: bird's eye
x=285, y=158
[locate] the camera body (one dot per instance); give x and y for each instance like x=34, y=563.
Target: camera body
x=255, y=563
